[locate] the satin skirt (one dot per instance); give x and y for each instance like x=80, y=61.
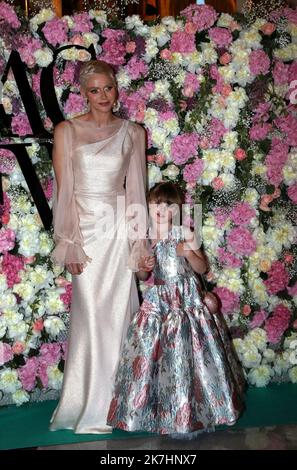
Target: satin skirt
x=103, y=300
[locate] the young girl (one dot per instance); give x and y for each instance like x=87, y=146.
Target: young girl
x=177, y=372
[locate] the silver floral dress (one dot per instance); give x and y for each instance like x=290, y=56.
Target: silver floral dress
x=178, y=371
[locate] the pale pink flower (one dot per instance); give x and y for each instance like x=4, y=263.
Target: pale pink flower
x=240, y=241
x=202, y=16
x=268, y=28
x=6, y=353
x=225, y=58
x=182, y=42
x=55, y=31
x=258, y=319
x=193, y=171
x=240, y=154
x=7, y=240
x=18, y=347
x=8, y=15
x=229, y=300
x=221, y=36
x=20, y=124
x=242, y=213
x=217, y=183
x=259, y=62
x=27, y=373
x=183, y=147
x=130, y=47
x=166, y=54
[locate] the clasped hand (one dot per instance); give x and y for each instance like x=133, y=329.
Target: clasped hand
x=146, y=263
x=75, y=268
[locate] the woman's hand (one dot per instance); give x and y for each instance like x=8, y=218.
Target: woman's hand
x=146, y=263
x=75, y=268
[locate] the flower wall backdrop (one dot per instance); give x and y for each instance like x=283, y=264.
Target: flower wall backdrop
x=217, y=96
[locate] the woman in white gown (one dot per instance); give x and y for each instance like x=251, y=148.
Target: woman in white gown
x=100, y=169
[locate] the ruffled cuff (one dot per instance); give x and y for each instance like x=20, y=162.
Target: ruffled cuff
x=139, y=249
x=67, y=252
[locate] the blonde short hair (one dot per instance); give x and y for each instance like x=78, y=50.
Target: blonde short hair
x=95, y=66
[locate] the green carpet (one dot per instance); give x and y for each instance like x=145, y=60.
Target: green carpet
x=27, y=426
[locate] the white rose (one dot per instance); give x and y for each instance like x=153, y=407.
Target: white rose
x=251, y=359
x=55, y=377
x=20, y=396
x=260, y=376
x=18, y=332
x=171, y=172
x=154, y=175
x=9, y=382
x=54, y=325
x=43, y=56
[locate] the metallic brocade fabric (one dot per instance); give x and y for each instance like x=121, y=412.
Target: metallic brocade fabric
x=178, y=371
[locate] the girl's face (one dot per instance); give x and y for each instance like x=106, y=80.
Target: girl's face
x=101, y=92
x=161, y=213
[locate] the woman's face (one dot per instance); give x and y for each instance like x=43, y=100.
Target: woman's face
x=101, y=92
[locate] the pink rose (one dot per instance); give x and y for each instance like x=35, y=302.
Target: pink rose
x=240, y=154
x=204, y=143
x=165, y=54
x=288, y=258
x=29, y=259
x=18, y=347
x=246, y=310
x=268, y=28
x=190, y=28
x=160, y=159
x=226, y=90
x=217, y=183
x=38, y=325
x=130, y=47
x=225, y=58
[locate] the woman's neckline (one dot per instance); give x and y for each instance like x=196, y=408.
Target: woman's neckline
x=115, y=122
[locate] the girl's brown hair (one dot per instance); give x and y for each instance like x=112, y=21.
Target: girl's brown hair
x=166, y=192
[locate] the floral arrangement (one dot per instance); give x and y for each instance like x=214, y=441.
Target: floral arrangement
x=217, y=96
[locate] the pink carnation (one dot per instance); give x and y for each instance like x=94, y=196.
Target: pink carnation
x=221, y=36
x=241, y=241
x=182, y=42
x=7, y=240
x=50, y=353
x=20, y=125
x=183, y=147
x=27, y=373
x=259, y=62
x=260, y=131
x=275, y=160
x=202, y=16
x=278, y=278
x=193, y=171
x=55, y=31
x=292, y=193
x=66, y=297
x=228, y=259
x=191, y=85
x=229, y=299
x=26, y=47
x=11, y=267
x=277, y=324
x=242, y=213
x=6, y=353
x=258, y=319
x=216, y=131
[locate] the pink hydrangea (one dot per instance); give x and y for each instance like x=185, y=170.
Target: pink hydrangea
x=280, y=73
x=137, y=68
x=277, y=324
x=82, y=23
x=202, y=16
x=50, y=353
x=68, y=76
x=113, y=48
x=275, y=160
x=261, y=113
x=20, y=124
x=11, y=267
x=167, y=115
x=229, y=300
x=7, y=240
x=75, y=104
x=291, y=14
x=182, y=42
x=55, y=31
x=216, y=131
x=259, y=62
x=278, y=278
x=26, y=48
x=288, y=125
x=6, y=353
x=66, y=297
x=8, y=15
x=183, y=147
x=258, y=319
x=193, y=171
x=292, y=193
x=221, y=36
x=228, y=259
x=36, y=83
x=191, y=85
x=240, y=241
x=134, y=103
x=27, y=373
x=260, y=131
x=242, y=213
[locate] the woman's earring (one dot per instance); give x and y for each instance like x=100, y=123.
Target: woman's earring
x=116, y=106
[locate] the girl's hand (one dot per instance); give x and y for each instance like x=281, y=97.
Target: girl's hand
x=146, y=263
x=75, y=268
x=180, y=249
